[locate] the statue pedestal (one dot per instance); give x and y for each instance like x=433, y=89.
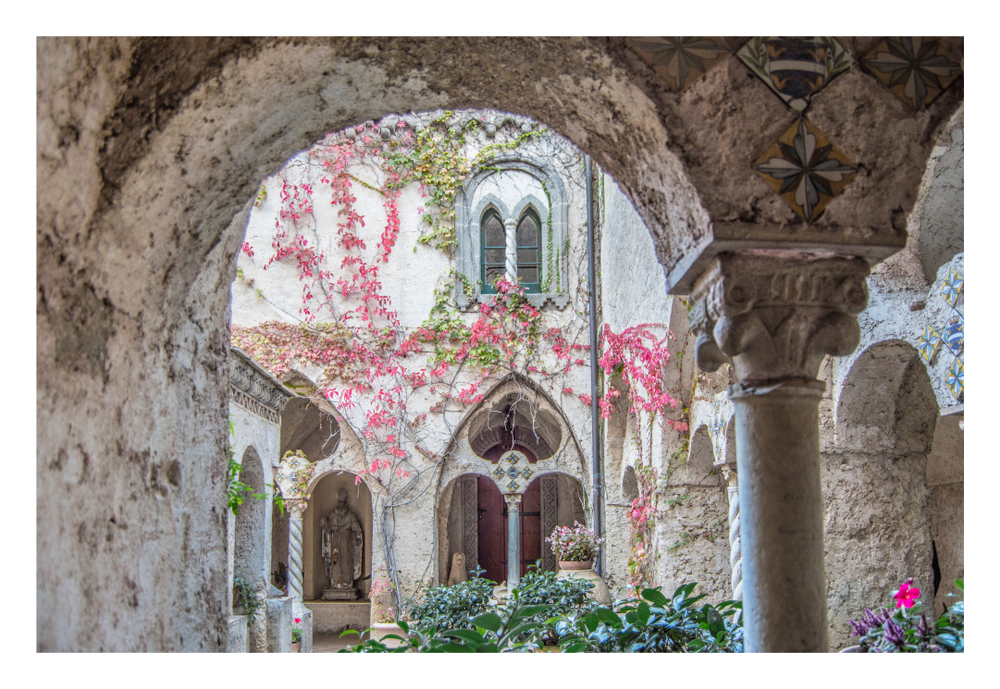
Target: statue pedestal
x=339, y=594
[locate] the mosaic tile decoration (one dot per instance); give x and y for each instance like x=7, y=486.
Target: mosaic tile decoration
x=916, y=69
x=678, y=59
x=512, y=486
x=952, y=288
x=928, y=345
x=795, y=68
x=953, y=337
x=506, y=468
x=955, y=379
x=805, y=169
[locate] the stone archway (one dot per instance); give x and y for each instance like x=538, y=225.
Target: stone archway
x=250, y=561
x=149, y=154
x=878, y=523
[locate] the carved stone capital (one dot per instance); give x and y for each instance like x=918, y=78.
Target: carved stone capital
x=775, y=315
x=513, y=500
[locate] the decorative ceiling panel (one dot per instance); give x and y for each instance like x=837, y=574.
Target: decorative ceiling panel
x=795, y=68
x=678, y=59
x=805, y=169
x=916, y=69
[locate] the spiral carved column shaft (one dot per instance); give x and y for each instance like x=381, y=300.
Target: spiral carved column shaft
x=774, y=316
x=295, y=558
x=735, y=557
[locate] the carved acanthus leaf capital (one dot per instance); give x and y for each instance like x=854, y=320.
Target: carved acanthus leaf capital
x=775, y=315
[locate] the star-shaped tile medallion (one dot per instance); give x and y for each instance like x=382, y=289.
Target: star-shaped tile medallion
x=678, y=59
x=951, y=290
x=805, y=169
x=928, y=344
x=955, y=380
x=795, y=68
x=915, y=69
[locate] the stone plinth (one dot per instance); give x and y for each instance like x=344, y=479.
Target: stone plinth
x=340, y=594
x=279, y=624
x=306, y=645
x=336, y=616
x=237, y=639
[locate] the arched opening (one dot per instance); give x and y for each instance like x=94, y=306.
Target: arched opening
x=279, y=544
x=305, y=427
x=692, y=526
x=515, y=423
x=878, y=528
x=249, y=556
x=473, y=521
x=337, y=564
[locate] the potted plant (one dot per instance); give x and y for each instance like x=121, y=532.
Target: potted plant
x=575, y=547
x=296, y=634
x=385, y=624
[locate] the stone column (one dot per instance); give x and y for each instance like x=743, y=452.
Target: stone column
x=296, y=508
x=513, y=540
x=510, y=226
x=735, y=556
x=775, y=315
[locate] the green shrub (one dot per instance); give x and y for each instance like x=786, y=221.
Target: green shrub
x=452, y=607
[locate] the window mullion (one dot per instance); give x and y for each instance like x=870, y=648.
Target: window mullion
x=510, y=227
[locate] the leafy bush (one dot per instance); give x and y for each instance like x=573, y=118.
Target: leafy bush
x=903, y=631
x=452, y=607
x=655, y=624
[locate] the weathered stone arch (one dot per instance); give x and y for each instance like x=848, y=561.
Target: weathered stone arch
x=250, y=559
x=886, y=402
x=150, y=152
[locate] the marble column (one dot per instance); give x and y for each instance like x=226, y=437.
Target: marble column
x=513, y=540
x=775, y=315
x=510, y=227
x=296, y=508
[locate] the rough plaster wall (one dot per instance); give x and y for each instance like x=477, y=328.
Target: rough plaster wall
x=877, y=519
x=692, y=534
x=947, y=507
x=946, y=481
x=148, y=148
x=633, y=284
x=877, y=532
x=262, y=435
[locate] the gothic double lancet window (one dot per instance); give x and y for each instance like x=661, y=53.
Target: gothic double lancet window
x=512, y=219
x=520, y=242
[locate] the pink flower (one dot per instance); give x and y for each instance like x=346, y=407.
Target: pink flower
x=906, y=596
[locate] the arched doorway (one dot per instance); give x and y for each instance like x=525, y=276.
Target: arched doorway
x=474, y=521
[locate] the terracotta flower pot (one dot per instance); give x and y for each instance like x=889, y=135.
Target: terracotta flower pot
x=295, y=647
x=585, y=570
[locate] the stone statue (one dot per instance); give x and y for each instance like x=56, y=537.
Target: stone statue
x=458, y=573
x=343, y=546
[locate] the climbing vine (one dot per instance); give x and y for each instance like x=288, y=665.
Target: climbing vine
x=347, y=326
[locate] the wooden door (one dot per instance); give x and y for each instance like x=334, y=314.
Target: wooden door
x=492, y=530
x=531, y=526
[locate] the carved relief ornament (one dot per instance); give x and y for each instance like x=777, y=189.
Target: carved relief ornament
x=775, y=315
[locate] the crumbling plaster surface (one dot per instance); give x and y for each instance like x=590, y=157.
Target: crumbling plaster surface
x=148, y=149
x=877, y=533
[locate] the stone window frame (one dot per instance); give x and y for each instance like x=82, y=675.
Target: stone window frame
x=468, y=232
